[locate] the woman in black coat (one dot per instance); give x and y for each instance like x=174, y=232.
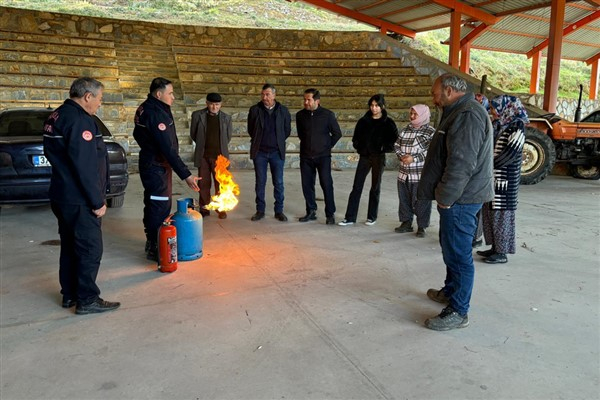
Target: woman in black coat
x=374, y=135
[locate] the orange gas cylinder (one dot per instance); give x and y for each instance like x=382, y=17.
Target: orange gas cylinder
x=167, y=247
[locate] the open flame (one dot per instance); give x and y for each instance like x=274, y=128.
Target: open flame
x=226, y=200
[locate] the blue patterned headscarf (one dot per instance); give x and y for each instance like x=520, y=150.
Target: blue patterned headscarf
x=509, y=108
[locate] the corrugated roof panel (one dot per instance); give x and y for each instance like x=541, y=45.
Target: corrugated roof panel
x=425, y=25
x=528, y=26
x=502, y=7
x=390, y=8
x=416, y=13
x=354, y=4
x=504, y=42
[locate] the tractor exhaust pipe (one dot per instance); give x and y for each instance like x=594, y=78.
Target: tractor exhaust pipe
x=578, y=109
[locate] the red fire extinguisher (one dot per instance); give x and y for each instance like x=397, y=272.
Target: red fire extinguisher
x=167, y=247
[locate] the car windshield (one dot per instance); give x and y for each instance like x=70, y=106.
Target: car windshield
x=31, y=123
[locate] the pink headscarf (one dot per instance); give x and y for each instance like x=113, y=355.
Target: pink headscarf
x=424, y=114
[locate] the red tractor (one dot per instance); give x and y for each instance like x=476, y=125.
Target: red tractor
x=550, y=139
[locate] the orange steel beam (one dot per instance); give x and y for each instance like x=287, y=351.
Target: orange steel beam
x=455, y=21
x=593, y=59
x=568, y=30
x=381, y=24
x=534, y=82
x=468, y=10
x=474, y=34
x=557, y=19
x=594, y=81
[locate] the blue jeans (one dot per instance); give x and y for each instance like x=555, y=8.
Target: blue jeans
x=274, y=161
x=457, y=227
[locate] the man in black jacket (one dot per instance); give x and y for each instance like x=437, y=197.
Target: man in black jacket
x=73, y=144
x=159, y=155
x=269, y=125
x=458, y=175
x=318, y=131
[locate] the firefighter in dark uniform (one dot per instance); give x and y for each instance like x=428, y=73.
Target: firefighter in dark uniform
x=159, y=155
x=73, y=144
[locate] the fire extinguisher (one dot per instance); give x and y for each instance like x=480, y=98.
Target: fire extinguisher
x=167, y=247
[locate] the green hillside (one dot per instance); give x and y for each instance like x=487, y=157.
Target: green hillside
x=509, y=72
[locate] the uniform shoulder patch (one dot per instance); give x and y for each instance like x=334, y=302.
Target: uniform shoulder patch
x=162, y=127
x=87, y=136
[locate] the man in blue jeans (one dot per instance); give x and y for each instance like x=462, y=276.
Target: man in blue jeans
x=269, y=125
x=458, y=175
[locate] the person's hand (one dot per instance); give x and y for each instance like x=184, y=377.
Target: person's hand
x=99, y=213
x=443, y=206
x=192, y=182
x=407, y=159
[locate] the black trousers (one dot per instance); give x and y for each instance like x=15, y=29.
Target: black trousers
x=308, y=173
x=157, y=199
x=80, y=251
x=376, y=163
x=207, y=172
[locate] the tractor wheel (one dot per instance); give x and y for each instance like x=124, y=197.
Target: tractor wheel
x=539, y=156
x=586, y=171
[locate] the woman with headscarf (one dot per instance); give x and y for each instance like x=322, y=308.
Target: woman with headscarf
x=374, y=135
x=509, y=118
x=411, y=149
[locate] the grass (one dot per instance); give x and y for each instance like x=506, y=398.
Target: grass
x=510, y=72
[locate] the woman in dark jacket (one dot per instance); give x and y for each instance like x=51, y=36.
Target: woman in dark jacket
x=510, y=118
x=374, y=135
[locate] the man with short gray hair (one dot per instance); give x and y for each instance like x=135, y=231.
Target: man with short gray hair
x=74, y=146
x=458, y=175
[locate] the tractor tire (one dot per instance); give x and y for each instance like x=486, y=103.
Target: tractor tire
x=591, y=172
x=116, y=202
x=539, y=156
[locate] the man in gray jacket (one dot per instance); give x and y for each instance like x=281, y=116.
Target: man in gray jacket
x=458, y=175
x=211, y=130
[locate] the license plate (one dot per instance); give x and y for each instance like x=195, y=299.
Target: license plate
x=40, y=161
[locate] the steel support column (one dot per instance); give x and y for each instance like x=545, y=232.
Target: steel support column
x=534, y=83
x=557, y=21
x=594, y=81
x=455, y=17
x=465, y=58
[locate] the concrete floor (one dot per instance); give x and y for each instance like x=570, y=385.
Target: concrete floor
x=307, y=311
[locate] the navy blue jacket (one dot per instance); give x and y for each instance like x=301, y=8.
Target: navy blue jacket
x=155, y=134
x=256, y=125
x=73, y=144
x=318, y=131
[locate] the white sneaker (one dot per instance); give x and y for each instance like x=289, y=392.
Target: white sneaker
x=370, y=222
x=345, y=222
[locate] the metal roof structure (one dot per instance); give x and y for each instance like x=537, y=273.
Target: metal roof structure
x=513, y=26
x=565, y=29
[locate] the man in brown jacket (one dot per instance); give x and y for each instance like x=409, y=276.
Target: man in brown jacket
x=211, y=130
